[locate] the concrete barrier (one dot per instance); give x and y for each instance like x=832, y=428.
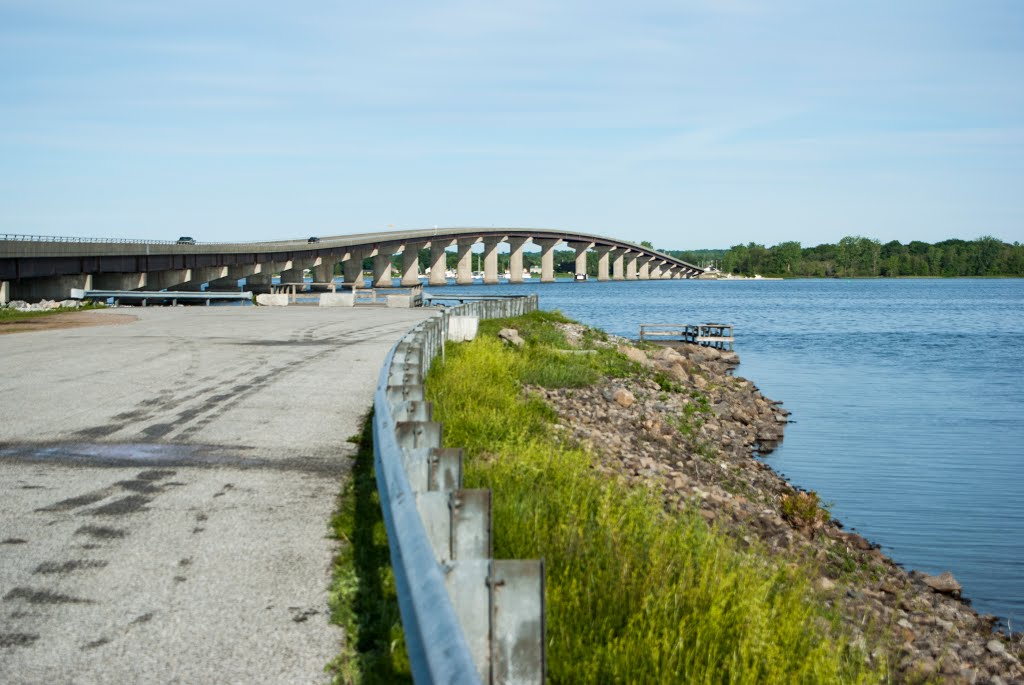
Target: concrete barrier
x=462, y=328
x=337, y=300
x=268, y=300
x=401, y=301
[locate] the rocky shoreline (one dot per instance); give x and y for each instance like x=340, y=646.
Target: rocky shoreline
x=690, y=430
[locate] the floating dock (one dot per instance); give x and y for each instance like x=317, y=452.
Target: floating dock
x=717, y=335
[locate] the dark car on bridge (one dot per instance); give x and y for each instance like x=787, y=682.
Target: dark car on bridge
x=186, y=240
x=313, y=239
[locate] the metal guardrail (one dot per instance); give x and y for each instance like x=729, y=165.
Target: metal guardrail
x=67, y=239
x=145, y=296
x=468, y=618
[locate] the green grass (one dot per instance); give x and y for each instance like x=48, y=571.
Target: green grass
x=15, y=315
x=546, y=361
x=362, y=595
x=634, y=595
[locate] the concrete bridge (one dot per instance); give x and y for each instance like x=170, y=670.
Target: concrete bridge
x=34, y=268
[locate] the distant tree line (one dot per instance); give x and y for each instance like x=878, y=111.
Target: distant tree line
x=856, y=256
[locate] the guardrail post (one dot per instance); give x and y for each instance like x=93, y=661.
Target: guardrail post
x=444, y=469
x=517, y=611
x=487, y=623
x=471, y=524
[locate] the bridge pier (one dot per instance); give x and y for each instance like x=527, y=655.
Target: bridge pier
x=655, y=270
x=49, y=288
x=119, y=281
x=168, y=279
x=323, y=272
x=547, y=258
x=644, y=272
x=5, y=292
x=491, y=260
x=353, y=268
x=515, y=259
x=464, y=269
x=236, y=272
x=295, y=274
x=581, y=256
x=438, y=262
x=411, y=264
x=618, y=265
x=631, y=266
x=382, y=269
x=201, y=275
x=258, y=283
x=602, y=262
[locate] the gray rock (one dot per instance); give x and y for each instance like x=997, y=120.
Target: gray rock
x=996, y=647
x=634, y=354
x=623, y=397
x=667, y=354
x=511, y=335
x=943, y=583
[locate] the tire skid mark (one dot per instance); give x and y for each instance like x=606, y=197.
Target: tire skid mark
x=17, y=639
x=63, y=567
x=34, y=596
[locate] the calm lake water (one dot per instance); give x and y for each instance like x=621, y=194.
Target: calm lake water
x=907, y=397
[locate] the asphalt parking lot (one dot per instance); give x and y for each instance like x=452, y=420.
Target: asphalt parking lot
x=166, y=486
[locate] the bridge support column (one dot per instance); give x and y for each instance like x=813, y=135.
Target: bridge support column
x=259, y=282
x=581, y=256
x=411, y=264
x=353, y=268
x=602, y=262
x=296, y=274
x=644, y=273
x=5, y=292
x=236, y=273
x=655, y=270
x=382, y=269
x=547, y=258
x=202, y=275
x=464, y=273
x=167, y=280
x=631, y=266
x=323, y=273
x=438, y=263
x=618, y=265
x=119, y=281
x=49, y=288
x=491, y=260
x=515, y=259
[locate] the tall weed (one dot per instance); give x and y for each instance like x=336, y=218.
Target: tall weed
x=633, y=594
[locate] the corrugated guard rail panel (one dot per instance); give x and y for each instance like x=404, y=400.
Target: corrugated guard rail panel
x=468, y=618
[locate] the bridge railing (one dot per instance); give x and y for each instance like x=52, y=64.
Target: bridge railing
x=67, y=239
x=468, y=618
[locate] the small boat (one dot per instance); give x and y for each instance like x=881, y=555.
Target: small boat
x=581, y=277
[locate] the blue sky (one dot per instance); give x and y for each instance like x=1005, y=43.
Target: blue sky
x=691, y=124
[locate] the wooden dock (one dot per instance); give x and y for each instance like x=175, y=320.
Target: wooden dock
x=717, y=335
